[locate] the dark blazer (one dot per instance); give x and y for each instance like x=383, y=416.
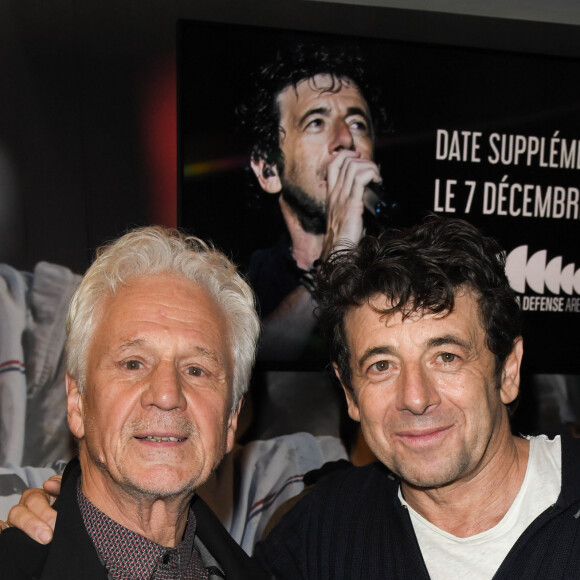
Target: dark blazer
x=72, y=556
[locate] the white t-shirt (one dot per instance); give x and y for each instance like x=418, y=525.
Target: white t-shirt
x=478, y=557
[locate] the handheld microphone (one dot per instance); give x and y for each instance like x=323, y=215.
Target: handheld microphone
x=379, y=203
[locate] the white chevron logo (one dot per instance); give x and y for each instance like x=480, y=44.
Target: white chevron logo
x=541, y=274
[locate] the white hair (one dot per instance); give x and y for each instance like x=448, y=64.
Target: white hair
x=156, y=250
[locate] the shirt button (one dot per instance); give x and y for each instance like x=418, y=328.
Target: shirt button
x=165, y=558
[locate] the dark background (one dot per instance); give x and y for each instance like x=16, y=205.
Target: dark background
x=426, y=86
x=89, y=132
x=88, y=107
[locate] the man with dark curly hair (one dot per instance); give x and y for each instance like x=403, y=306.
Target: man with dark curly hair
x=425, y=338
x=313, y=120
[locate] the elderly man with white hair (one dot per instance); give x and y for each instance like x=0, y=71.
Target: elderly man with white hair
x=161, y=341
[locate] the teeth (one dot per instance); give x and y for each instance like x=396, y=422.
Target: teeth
x=160, y=439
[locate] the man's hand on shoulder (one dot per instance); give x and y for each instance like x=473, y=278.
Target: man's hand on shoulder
x=34, y=514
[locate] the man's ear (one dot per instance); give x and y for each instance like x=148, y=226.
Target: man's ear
x=510, y=378
x=267, y=175
x=353, y=410
x=74, y=407
x=232, y=425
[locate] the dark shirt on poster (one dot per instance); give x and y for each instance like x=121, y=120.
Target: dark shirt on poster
x=273, y=274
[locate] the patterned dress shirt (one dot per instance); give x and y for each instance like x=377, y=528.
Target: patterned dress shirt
x=129, y=556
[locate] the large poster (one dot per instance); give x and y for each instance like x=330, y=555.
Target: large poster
x=486, y=135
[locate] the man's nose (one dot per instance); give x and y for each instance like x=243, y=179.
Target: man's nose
x=165, y=389
x=341, y=137
x=417, y=391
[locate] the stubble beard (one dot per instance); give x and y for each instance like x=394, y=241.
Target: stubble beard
x=420, y=480
x=127, y=481
x=311, y=212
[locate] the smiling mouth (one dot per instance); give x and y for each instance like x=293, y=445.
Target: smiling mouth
x=158, y=439
x=424, y=435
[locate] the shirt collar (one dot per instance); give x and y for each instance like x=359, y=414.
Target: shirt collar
x=126, y=554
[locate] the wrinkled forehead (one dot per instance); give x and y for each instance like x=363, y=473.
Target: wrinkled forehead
x=317, y=87
x=165, y=301
x=412, y=307
x=387, y=312
x=381, y=319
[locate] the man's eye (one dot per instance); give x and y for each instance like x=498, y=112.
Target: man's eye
x=195, y=371
x=133, y=365
x=381, y=366
x=314, y=124
x=448, y=357
x=359, y=125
